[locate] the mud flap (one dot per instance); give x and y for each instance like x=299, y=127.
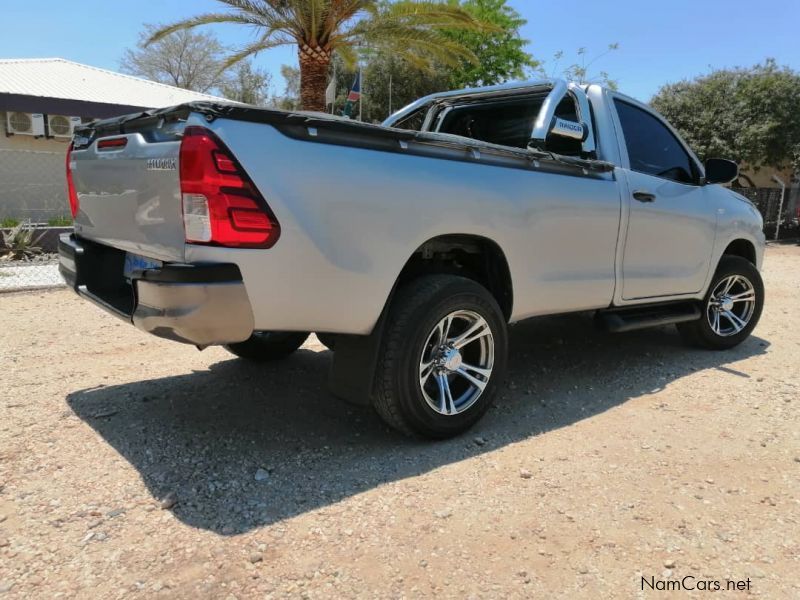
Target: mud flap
x=352, y=373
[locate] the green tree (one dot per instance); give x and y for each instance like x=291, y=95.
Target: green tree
x=185, y=59
x=414, y=29
x=290, y=100
x=750, y=115
x=501, y=53
x=247, y=84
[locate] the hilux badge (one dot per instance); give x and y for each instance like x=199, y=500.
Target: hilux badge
x=162, y=164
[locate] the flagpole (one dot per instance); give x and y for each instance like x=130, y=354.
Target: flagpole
x=361, y=100
x=333, y=104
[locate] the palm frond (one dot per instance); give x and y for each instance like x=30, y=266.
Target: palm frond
x=418, y=48
x=414, y=29
x=404, y=40
x=200, y=20
x=435, y=13
x=349, y=55
x=264, y=43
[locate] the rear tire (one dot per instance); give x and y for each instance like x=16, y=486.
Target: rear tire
x=442, y=357
x=264, y=346
x=731, y=308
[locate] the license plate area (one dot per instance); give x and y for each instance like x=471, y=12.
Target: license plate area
x=136, y=263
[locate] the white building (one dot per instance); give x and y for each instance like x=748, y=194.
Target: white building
x=41, y=99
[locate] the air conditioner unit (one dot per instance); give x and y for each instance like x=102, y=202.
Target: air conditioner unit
x=20, y=123
x=60, y=126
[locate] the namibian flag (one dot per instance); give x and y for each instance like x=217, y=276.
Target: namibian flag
x=354, y=96
x=355, y=93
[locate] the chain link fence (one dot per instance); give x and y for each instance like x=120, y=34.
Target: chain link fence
x=32, y=185
x=32, y=193
x=28, y=257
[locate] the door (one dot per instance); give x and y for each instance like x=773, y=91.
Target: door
x=672, y=217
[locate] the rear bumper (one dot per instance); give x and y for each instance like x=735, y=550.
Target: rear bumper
x=199, y=304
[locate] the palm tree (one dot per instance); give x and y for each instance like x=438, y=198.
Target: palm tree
x=413, y=30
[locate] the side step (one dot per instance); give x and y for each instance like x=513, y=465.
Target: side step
x=652, y=315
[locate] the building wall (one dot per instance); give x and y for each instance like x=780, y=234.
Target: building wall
x=32, y=181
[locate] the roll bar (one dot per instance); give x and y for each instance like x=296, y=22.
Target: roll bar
x=546, y=122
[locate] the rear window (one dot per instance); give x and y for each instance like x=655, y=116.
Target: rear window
x=508, y=123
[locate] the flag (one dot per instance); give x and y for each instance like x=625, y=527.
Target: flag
x=330, y=93
x=354, y=95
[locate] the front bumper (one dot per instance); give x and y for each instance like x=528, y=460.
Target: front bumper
x=199, y=304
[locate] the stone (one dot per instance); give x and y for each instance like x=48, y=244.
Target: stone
x=168, y=501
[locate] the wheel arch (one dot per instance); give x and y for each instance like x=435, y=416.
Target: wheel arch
x=743, y=248
x=473, y=256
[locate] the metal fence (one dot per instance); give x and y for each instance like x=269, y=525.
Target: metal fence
x=768, y=202
x=32, y=189
x=32, y=185
x=32, y=264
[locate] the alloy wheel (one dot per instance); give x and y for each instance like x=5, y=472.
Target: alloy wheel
x=456, y=362
x=731, y=305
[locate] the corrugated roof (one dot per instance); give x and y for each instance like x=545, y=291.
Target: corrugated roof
x=60, y=78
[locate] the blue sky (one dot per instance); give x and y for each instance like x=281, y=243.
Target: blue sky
x=660, y=42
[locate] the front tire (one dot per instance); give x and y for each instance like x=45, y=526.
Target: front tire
x=731, y=308
x=264, y=346
x=442, y=358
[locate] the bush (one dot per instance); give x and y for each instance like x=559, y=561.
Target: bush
x=8, y=223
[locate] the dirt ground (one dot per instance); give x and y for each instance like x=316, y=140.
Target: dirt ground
x=135, y=467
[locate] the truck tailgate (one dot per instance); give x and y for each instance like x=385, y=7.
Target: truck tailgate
x=129, y=194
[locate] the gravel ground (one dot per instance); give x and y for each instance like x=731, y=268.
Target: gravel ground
x=134, y=467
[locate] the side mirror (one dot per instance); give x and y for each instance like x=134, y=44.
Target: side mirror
x=719, y=170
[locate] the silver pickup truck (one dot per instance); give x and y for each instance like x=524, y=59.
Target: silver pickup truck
x=409, y=247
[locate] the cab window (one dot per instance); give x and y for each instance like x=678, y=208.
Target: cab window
x=652, y=148
x=508, y=123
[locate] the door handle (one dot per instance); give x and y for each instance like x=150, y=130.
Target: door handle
x=643, y=196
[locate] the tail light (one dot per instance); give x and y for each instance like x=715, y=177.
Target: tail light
x=221, y=206
x=73, y=195
x=112, y=144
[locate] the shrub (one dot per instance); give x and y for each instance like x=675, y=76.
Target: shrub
x=19, y=243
